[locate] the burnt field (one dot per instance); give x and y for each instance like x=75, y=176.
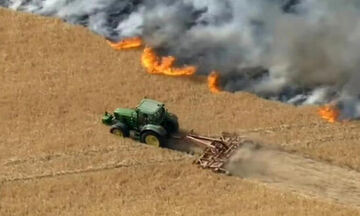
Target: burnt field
x=57, y=158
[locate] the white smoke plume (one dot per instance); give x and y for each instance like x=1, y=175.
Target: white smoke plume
x=295, y=51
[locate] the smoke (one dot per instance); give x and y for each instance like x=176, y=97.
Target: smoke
x=295, y=51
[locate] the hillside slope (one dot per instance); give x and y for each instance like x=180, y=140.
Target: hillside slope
x=57, y=80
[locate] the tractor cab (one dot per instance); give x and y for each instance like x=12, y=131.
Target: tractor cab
x=150, y=112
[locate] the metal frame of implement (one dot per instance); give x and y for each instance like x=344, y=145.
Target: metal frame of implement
x=217, y=151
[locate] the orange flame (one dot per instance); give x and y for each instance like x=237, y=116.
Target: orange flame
x=163, y=65
x=213, y=82
x=329, y=113
x=129, y=43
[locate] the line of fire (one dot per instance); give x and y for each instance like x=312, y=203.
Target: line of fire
x=155, y=64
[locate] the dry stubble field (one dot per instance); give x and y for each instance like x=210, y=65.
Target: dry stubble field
x=57, y=159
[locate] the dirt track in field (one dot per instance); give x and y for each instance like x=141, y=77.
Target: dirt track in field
x=292, y=172
x=56, y=157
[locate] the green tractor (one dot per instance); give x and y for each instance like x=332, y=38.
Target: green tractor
x=149, y=122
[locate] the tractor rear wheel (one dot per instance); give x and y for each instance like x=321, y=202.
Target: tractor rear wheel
x=152, y=138
x=172, y=126
x=120, y=131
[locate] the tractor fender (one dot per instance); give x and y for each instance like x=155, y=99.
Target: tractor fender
x=172, y=117
x=155, y=128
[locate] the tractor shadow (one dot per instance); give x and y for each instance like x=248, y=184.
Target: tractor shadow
x=178, y=142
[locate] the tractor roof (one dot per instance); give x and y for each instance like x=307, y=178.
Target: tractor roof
x=149, y=106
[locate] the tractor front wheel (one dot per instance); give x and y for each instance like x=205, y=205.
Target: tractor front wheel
x=119, y=131
x=152, y=138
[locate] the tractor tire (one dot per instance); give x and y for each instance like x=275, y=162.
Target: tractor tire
x=171, y=126
x=152, y=138
x=119, y=130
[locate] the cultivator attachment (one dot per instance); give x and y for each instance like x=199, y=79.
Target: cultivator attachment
x=217, y=151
